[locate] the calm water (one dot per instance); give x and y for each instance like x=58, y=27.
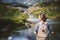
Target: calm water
x=28, y=34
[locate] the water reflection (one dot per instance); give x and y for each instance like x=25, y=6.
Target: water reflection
x=20, y=38
x=27, y=34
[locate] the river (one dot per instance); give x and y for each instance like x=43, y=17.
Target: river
x=28, y=34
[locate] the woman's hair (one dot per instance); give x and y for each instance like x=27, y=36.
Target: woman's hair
x=43, y=16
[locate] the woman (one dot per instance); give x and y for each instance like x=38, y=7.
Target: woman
x=42, y=29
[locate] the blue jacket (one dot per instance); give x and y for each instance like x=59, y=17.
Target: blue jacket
x=48, y=26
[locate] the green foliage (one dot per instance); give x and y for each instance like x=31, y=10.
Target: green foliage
x=21, y=18
x=17, y=17
x=51, y=10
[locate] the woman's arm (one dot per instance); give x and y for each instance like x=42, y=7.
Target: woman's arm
x=36, y=29
x=50, y=29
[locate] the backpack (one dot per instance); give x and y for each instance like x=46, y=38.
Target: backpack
x=42, y=30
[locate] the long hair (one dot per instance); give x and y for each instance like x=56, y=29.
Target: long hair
x=43, y=16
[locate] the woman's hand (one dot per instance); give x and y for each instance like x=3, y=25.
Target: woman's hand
x=35, y=32
x=52, y=32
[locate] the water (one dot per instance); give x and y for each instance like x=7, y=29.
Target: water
x=28, y=34
x=25, y=2
x=23, y=35
x=32, y=19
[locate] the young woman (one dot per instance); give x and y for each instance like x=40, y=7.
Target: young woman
x=42, y=29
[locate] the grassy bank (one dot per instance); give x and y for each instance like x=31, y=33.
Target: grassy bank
x=13, y=18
